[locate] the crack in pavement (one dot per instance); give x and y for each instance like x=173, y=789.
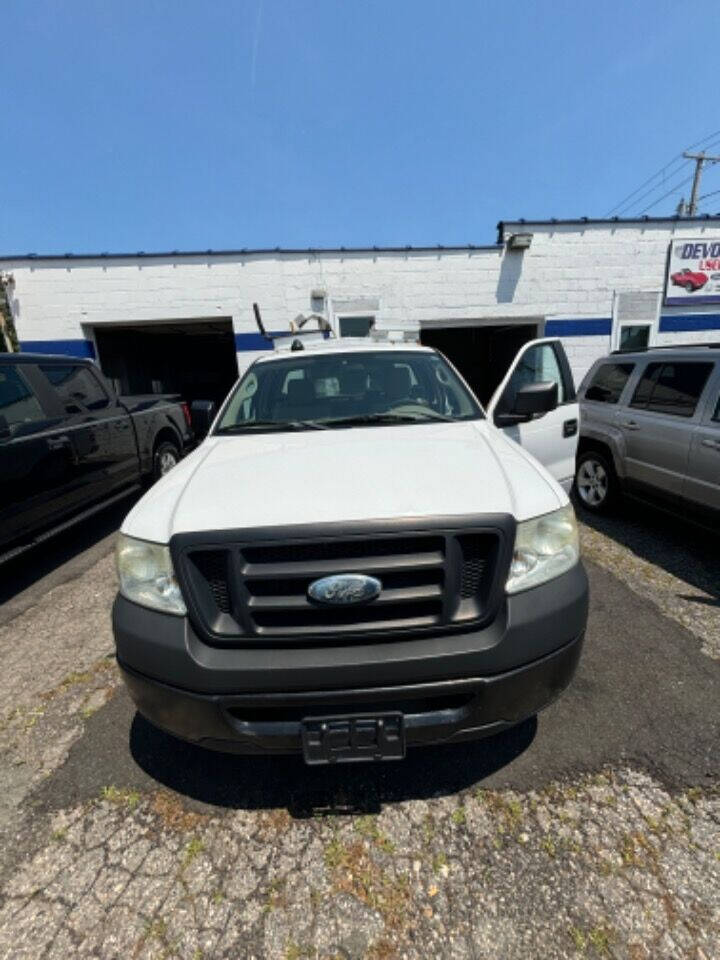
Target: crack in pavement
x=610, y=861
x=593, y=831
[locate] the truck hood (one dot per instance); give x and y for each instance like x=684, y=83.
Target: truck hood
x=359, y=473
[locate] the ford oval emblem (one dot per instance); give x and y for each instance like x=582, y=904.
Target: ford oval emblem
x=343, y=589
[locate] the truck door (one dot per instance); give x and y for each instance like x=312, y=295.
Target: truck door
x=701, y=486
x=550, y=437
x=100, y=431
x=36, y=462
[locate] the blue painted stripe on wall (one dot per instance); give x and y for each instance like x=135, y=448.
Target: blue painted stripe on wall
x=588, y=327
x=591, y=327
x=256, y=341
x=669, y=323
x=678, y=323
x=72, y=348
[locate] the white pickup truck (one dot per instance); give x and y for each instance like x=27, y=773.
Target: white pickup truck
x=358, y=557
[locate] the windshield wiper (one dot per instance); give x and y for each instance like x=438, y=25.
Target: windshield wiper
x=388, y=417
x=356, y=420
x=273, y=425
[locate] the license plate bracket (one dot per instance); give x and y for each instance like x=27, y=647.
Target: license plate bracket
x=353, y=738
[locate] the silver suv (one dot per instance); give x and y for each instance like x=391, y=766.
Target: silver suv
x=650, y=428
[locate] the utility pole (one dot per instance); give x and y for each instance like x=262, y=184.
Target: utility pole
x=700, y=159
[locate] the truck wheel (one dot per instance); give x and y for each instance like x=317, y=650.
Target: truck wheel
x=595, y=481
x=166, y=457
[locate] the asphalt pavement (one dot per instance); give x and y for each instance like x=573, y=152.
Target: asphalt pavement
x=592, y=830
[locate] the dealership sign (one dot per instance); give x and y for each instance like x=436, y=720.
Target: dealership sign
x=693, y=272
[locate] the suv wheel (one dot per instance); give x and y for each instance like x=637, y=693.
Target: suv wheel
x=595, y=481
x=166, y=457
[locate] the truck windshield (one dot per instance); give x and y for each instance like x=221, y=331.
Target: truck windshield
x=325, y=390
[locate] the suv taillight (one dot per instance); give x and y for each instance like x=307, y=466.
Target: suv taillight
x=186, y=413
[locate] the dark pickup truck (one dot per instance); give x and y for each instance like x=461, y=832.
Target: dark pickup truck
x=69, y=446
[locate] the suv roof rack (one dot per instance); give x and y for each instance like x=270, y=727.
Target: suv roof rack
x=672, y=346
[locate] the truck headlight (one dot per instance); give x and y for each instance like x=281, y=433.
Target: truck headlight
x=146, y=575
x=545, y=547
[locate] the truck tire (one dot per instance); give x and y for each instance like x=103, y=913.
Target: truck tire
x=166, y=456
x=596, y=484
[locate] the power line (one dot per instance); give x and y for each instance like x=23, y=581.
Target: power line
x=629, y=197
x=659, y=186
x=700, y=160
x=648, y=193
x=665, y=195
x=706, y=196
x=663, y=171
x=704, y=140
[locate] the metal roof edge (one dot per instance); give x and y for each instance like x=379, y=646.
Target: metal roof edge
x=246, y=252
x=580, y=221
x=320, y=251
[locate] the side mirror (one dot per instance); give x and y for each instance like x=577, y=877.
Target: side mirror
x=202, y=414
x=530, y=399
x=536, y=398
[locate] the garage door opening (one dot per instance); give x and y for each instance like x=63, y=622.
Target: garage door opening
x=195, y=359
x=481, y=354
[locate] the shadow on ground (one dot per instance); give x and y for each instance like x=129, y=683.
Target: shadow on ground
x=64, y=556
x=644, y=695
x=267, y=782
x=671, y=543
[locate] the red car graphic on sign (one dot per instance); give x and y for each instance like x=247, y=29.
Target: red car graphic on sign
x=691, y=280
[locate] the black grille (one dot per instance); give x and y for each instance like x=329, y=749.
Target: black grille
x=259, y=591
x=213, y=568
x=474, y=561
x=339, y=549
x=390, y=580
x=326, y=619
x=276, y=578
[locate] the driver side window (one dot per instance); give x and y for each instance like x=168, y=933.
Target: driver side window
x=539, y=364
x=246, y=396
x=242, y=405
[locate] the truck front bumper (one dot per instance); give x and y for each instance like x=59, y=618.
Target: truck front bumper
x=448, y=687
x=445, y=711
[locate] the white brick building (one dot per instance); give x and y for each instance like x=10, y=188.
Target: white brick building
x=178, y=321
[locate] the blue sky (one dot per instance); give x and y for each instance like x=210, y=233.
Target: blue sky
x=157, y=125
